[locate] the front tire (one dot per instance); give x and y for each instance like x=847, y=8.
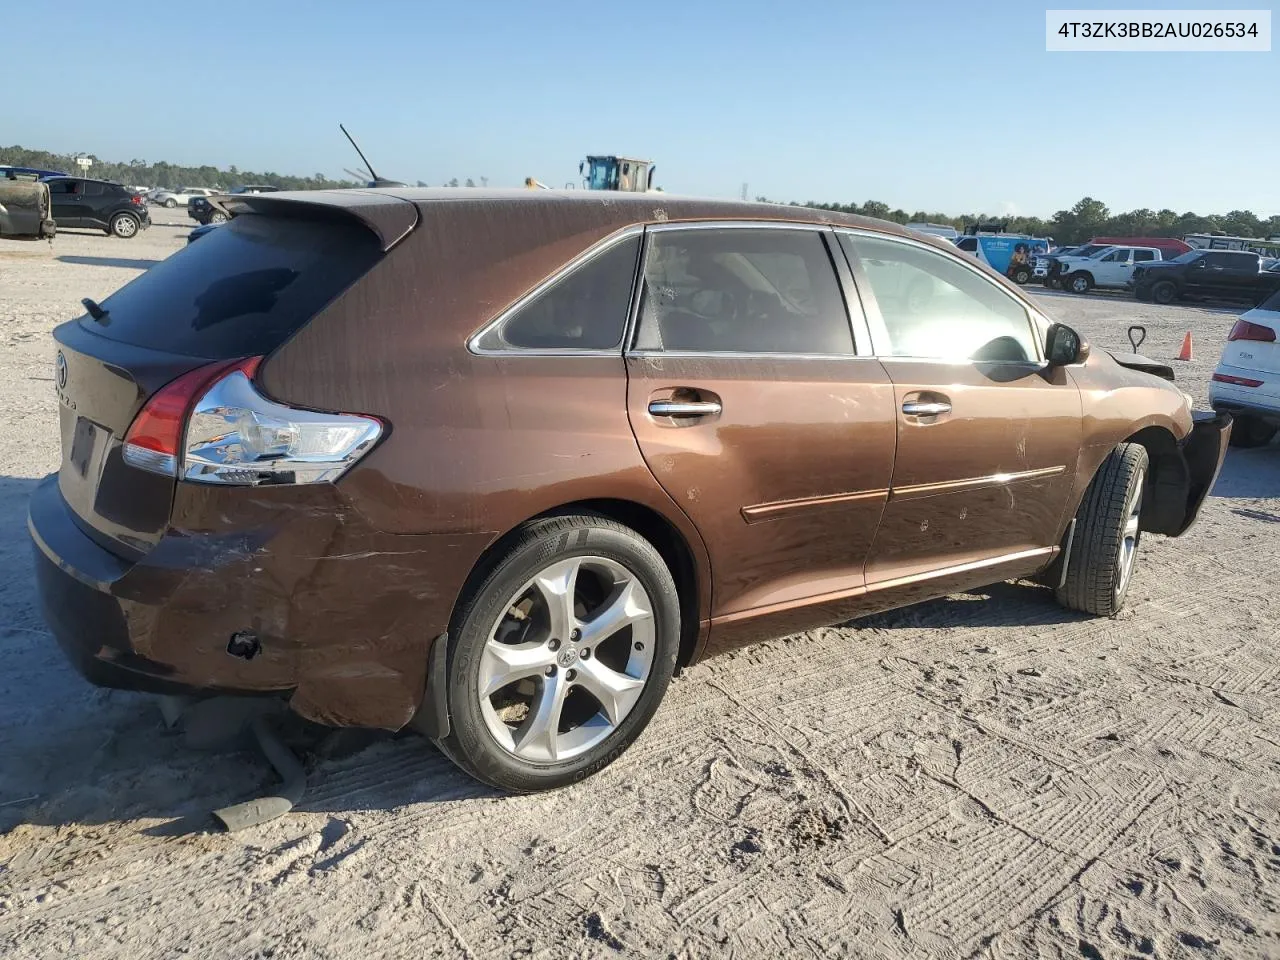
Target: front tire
x=1249, y=432
x=1164, y=292
x=1104, y=549
x=124, y=226
x=171, y=203
x=217, y=217
x=561, y=655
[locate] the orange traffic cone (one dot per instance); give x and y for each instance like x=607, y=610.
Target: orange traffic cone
x=1185, y=352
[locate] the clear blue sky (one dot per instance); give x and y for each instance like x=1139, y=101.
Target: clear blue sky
x=945, y=106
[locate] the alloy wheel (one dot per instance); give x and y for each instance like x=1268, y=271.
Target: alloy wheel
x=126, y=227
x=1129, y=536
x=567, y=660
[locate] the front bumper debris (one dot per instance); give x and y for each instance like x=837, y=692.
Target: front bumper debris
x=1203, y=452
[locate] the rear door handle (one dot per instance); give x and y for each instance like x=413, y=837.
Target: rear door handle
x=684, y=408
x=926, y=408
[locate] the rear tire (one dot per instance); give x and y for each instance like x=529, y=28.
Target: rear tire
x=1249, y=432
x=171, y=203
x=217, y=217
x=541, y=725
x=1104, y=550
x=124, y=226
x=1164, y=292
x=1078, y=283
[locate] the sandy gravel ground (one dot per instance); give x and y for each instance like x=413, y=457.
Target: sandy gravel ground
x=986, y=775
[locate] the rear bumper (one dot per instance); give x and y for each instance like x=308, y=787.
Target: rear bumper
x=1261, y=402
x=345, y=614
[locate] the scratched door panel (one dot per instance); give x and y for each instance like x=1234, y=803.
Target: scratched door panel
x=787, y=483
x=989, y=477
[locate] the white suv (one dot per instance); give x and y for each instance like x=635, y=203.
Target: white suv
x=1247, y=381
x=1110, y=268
x=172, y=198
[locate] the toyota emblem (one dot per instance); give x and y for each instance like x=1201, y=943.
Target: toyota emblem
x=62, y=371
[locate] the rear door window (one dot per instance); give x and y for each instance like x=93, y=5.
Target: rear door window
x=240, y=290
x=770, y=291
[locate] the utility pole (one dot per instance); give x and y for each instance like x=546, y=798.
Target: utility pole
x=744, y=192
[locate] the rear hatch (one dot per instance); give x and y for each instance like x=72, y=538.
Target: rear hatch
x=1254, y=345
x=242, y=291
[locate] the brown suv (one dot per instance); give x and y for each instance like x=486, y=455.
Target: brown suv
x=497, y=465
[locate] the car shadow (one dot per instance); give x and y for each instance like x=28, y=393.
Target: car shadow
x=1250, y=474
x=1012, y=603
x=109, y=262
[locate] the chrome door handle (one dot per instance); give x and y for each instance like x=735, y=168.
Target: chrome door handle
x=684, y=408
x=925, y=408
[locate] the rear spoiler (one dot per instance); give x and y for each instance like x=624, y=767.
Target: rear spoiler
x=390, y=217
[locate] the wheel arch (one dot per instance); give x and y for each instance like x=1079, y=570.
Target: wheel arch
x=1165, y=496
x=661, y=533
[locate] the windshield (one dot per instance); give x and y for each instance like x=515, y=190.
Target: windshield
x=1187, y=257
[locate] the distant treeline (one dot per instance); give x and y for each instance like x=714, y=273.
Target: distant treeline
x=1088, y=218
x=140, y=173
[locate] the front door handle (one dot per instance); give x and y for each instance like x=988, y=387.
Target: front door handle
x=926, y=408
x=684, y=408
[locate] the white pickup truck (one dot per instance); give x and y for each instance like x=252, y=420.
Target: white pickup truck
x=1109, y=268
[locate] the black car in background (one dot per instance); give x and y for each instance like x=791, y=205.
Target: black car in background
x=1220, y=274
x=97, y=204
x=207, y=210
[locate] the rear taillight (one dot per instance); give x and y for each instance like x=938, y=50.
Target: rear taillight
x=212, y=426
x=1238, y=381
x=135, y=200
x=1244, y=330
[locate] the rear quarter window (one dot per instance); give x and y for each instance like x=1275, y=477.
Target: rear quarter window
x=241, y=289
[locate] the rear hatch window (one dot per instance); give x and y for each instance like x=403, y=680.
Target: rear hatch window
x=241, y=289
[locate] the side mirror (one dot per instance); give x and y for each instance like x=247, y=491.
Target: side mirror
x=1063, y=346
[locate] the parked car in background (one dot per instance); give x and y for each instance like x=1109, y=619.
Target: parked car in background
x=1170, y=246
x=1110, y=268
x=668, y=427
x=180, y=196
x=1246, y=383
x=1009, y=253
x=6, y=171
x=82, y=202
x=1047, y=268
x=25, y=209
x=1222, y=274
x=206, y=210
x=211, y=210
